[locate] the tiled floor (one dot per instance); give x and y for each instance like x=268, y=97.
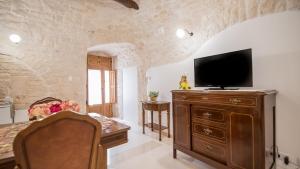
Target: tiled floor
x=146, y=152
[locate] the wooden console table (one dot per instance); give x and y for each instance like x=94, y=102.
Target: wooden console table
x=159, y=106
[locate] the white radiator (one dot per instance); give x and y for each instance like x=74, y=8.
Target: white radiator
x=5, y=113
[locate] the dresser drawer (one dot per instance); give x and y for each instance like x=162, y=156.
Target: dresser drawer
x=209, y=131
x=180, y=96
x=150, y=107
x=215, y=151
x=208, y=114
x=217, y=99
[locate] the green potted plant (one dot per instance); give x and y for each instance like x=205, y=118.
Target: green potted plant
x=153, y=95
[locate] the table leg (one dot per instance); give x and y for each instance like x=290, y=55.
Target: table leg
x=152, y=120
x=105, y=158
x=159, y=117
x=8, y=165
x=143, y=120
x=168, y=114
x=102, y=157
x=174, y=153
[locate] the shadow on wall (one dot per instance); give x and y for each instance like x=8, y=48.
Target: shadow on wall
x=274, y=40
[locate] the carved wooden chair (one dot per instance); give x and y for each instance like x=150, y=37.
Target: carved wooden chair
x=66, y=140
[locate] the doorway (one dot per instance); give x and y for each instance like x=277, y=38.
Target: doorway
x=130, y=96
x=101, y=85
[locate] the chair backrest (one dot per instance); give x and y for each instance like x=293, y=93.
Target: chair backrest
x=66, y=140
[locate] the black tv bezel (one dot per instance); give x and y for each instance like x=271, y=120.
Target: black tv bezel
x=249, y=84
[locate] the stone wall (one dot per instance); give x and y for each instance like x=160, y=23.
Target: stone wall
x=20, y=82
x=152, y=28
x=51, y=59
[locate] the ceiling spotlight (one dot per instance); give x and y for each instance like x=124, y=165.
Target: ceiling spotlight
x=15, y=38
x=181, y=33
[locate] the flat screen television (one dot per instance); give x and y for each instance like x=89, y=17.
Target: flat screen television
x=233, y=69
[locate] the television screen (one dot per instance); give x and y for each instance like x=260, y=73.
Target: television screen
x=233, y=69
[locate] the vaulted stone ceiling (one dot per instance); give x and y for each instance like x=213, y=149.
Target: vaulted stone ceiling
x=152, y=28
x=57, y=33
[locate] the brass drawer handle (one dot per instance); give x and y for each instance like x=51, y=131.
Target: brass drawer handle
x=208, y=114
x=204, y=98
x=235, y=100
x=209, y=147
x=207, y=131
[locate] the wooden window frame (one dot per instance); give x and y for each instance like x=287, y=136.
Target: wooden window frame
x=103, y=64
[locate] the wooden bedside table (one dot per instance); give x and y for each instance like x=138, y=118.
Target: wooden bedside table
x=158, y=106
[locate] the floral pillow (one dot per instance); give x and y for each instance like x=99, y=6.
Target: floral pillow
x=46, y=109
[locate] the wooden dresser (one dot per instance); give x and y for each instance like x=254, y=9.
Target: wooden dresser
x=226, y=129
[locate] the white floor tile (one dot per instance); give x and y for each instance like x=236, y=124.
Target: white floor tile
x=146, y=152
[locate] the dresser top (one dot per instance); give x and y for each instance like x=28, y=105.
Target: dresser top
x=233, y=92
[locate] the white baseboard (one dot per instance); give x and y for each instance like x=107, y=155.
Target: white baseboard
x=281, y=165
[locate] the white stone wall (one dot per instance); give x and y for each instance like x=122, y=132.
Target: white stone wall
x=152, y=29
x=274, y=40
x=51, y=59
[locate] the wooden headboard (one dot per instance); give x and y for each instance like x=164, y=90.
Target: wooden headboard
x=45, y=100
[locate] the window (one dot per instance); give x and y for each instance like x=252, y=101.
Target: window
x=107, y=86
x=95, y=81
x=94, y=87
